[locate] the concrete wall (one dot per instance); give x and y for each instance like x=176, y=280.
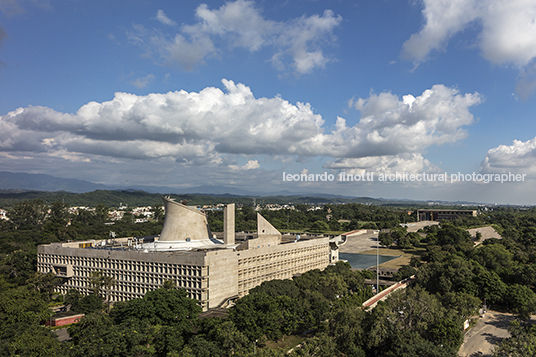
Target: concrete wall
x=183, y=223
x=229, y=224
x=223, y=276
x=264, y=227
x=62, y=321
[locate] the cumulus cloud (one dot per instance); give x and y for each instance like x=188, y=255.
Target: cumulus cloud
x=390, y=125
x=507, y=34
x=205, y=127
x=240, y=24
x=520, y=157
x=391, y=164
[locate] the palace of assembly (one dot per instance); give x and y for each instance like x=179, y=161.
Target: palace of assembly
x=214, y=269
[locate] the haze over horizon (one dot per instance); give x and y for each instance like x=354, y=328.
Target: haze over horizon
x=239, y=93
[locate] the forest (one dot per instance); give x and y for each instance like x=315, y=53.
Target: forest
x=111, y=198
x=319, y=313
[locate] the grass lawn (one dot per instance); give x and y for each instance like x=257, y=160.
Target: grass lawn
x=287, y=342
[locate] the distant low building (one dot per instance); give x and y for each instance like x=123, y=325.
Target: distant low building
x=443, y=215
x=213, y=271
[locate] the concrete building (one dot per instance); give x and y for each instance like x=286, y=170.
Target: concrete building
x=213, y=271
x=443, y=214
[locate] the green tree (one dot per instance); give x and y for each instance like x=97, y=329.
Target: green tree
x=478, y=236
x=169, y=284
x=522, y=300
x=257, y=315
x=160, y=307
x=494, y=257
x=465, y=305
x=59, y=213
x=45, y=283
x=36, y=341
x=99, y=281
x=158, y=212
x=320, y=345
x=28, y=214
x=319, y=227
x=19, y=266
x=347, y=327
x=407, y=314
x=404, y=272
x=385, y=239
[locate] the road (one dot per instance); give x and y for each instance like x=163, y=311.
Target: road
x=487, y=332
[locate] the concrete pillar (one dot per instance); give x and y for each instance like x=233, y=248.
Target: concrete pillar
x=229, y=224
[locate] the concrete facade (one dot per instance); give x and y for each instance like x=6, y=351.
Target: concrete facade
x=183, y=223
x=213, y=272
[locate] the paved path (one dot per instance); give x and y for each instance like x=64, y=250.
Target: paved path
x=487, y=233
x=62, y=334
x=415, y=226
x=360, y=243
x=488, y=331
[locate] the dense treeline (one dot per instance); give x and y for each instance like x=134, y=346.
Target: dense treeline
x=112, y=198
x=329, y=218
x=35, y=222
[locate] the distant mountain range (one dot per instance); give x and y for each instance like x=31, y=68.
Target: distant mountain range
x=41, y=182
x=17, y=182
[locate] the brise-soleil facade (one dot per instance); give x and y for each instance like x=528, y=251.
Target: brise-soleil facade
x=213, y=271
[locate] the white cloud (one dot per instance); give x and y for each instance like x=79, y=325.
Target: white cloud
x=519, y=157
x=142, y=82
x=240, y=24
x=443, y=19
x=162, y=17
x=205, y=127
x=506, y=36
x=390, y=126
x=390, y=164
x=250, y=165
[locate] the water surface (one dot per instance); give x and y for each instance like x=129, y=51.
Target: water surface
x=365, y=261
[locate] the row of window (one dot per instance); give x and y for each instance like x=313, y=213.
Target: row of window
x=289, y=254
x=118, y=290
x=102, y=263
x=314, y=257
x=247, y=284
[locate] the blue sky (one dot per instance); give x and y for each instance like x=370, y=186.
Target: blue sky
x=186, y=93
